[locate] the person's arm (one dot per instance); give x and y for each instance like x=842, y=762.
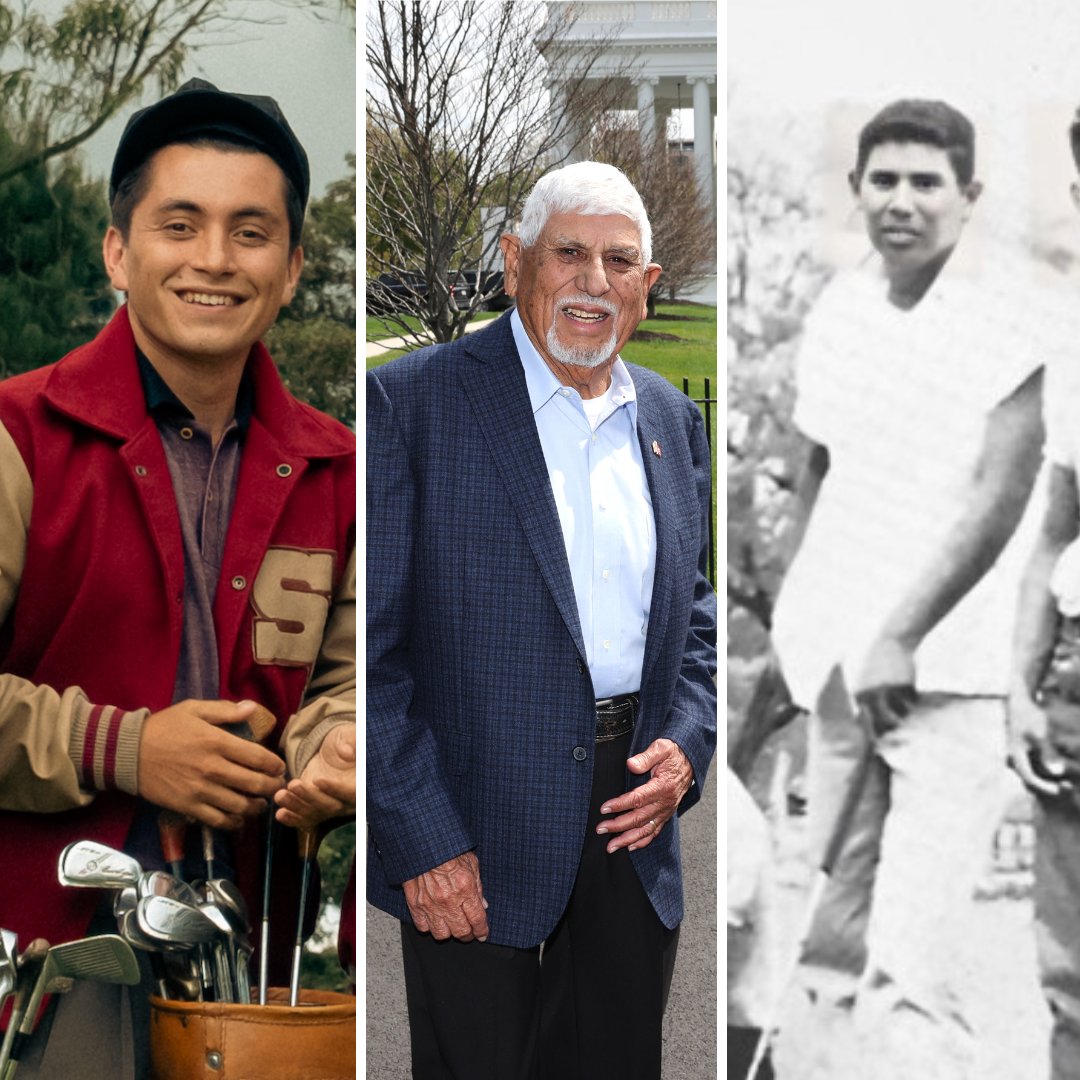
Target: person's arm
x=1000, y=488
x=58, y=748
x=413, y=819
x=319, y=742
x=1035, y=632
x=678, y=761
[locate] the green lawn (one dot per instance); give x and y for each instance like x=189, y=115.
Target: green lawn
x=691, y=355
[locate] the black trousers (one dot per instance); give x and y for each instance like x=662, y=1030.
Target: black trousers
x=586, y=1005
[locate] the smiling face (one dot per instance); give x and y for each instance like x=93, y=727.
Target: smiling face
x=206, y=263
x=581, y=288
x=915, y=208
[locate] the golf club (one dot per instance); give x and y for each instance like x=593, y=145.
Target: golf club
x=264, y=937
x=254, y=729
x=9, y=959
x=107, y=958
x=308, y=846
x=833, y=848
x=26, y=974
x=86, y=864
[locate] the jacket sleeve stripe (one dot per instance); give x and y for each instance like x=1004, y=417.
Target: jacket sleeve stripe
x=112, y=738
x=89, y=745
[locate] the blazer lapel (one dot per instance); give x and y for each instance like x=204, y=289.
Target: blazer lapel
x=502, y=410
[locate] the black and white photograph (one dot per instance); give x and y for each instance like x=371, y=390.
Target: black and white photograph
x=903, y=366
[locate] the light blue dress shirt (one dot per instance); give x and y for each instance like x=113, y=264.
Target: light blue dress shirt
x=605, y=510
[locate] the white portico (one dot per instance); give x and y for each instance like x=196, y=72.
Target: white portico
x=665, y=53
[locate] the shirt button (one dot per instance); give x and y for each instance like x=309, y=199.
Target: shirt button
x=239, y=582
x=580, y=753
x=607, y=644
x=186, y=433
x=607, y=575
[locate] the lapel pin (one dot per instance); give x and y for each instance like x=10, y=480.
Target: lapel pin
x=656, y=448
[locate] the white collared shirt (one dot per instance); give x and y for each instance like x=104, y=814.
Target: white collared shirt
x=602, y=496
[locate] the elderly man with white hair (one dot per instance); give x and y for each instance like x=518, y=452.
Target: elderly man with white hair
x=541, y=651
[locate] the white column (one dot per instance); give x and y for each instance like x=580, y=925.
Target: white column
x=646, y=104
x=703, y=134
x=566, y=150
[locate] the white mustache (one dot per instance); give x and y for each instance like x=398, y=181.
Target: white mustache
x=589, y=301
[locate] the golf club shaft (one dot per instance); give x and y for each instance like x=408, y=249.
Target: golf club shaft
x=832, y=853
x=208, y=850
x=307, y=842
x=264, y=940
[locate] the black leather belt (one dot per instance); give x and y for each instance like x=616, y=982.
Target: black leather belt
x=615, y=716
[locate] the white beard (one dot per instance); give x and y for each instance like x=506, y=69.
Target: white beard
x=585, y=356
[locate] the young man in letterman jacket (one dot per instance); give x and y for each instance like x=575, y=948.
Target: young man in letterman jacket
x=177, y=541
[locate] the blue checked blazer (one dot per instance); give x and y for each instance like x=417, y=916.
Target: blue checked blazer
x=478, y=692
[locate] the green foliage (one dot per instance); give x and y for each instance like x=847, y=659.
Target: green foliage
x=314, y=341
x=773, y=279
x=320, y=967
x=328, y=283
x=54, y=293
x=62, y=78
x=317, y=360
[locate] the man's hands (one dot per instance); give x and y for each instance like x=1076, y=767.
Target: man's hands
x=644, y=811
x=1045, y=756
x=327, y=786
x=885, y=688
x=188, y=764
x=449, y=900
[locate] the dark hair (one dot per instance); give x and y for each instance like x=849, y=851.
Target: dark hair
x=132, y=188
x=916, y=121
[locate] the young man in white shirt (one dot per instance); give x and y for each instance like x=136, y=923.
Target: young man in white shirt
x=919, y=388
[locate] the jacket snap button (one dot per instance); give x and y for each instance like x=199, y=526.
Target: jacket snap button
x=580, y=753
x=284, y=470
x=213, y=1059
x=140, y=470
x=239, y=582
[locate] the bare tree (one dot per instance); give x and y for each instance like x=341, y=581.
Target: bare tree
x=62, y=78
x=461, y=122
x=681, y=216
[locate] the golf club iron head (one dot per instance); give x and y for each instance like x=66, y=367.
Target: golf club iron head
x=173, y=922
x=89, y=865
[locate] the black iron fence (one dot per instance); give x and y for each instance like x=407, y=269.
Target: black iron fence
x=707, y=402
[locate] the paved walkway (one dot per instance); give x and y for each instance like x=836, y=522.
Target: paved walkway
x=377, y=348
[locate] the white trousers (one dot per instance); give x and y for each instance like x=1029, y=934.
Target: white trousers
x=880, y=972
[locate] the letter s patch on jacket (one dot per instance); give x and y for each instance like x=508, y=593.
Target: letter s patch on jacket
x=291, y=598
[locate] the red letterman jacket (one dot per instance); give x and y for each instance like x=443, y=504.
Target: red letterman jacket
x=91, y=585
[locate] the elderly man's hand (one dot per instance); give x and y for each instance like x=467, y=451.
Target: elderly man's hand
x=644, y=811
x=327, y=786
x=449, y=900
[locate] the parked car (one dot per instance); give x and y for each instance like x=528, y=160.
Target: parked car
x=387, y=294
x=490, y=281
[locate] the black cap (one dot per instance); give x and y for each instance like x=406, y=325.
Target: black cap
x=200, y=108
